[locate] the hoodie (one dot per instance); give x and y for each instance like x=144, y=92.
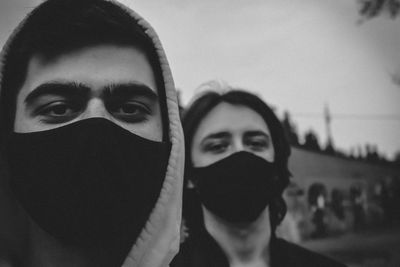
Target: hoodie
x=159, y=240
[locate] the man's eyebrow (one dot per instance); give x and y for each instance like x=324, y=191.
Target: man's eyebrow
x=57, y=88
x=130, y=89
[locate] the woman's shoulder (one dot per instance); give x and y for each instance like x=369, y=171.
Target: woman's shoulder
x=200, y=251
x=295, y=255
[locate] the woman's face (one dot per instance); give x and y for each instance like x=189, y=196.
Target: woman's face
x=228, y=129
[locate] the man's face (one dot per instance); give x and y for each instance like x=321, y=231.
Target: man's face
x=109, y=81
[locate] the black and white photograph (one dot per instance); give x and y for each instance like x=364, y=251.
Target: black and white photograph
x=203, y=133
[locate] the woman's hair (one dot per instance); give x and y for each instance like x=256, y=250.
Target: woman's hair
x=193, y=116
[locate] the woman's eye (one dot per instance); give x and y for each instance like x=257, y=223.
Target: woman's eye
x=258, y=144
x=216, y=147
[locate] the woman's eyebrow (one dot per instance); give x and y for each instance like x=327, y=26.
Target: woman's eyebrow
x=218, y=135
x=126, y=90
x=57, y=88
x=256, y=133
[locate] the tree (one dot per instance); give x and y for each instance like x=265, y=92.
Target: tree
x=396, y=159
x=372, y=153
x=373, y=8
x=311, y=141
x=329, y=149
x=290, y=129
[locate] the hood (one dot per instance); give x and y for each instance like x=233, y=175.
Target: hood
x=159, y=240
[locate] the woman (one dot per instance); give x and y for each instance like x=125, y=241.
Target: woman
x=236, y=171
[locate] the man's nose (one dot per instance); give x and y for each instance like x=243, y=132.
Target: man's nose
x=238, y=146
x=96, y=109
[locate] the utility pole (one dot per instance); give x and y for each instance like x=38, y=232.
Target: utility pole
x=328, y=119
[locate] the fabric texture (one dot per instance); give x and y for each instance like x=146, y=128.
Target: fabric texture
x=159, y=240
x=236, y=188
x=99, y=177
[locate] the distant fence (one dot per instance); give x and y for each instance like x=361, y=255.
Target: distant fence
x=330, y=195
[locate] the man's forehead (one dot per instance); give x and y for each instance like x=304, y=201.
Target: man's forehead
x=95, y=66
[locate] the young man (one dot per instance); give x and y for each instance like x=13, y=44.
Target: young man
x=91, y=144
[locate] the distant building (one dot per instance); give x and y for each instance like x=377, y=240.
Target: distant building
x=338, y=194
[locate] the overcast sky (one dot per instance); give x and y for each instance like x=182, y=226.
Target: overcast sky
x=296, y=54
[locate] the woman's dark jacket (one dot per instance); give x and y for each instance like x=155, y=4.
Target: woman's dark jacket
x=201, y=250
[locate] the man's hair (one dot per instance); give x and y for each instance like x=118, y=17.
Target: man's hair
x=193, y=116
x=61, y=26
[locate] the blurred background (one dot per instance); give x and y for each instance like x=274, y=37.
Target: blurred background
x=331, y=70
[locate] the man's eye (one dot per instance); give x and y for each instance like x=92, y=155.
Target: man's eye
x=57, y=112
x=129, y=108
x=131, y=111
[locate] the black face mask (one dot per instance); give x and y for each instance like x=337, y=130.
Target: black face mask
x=237, y=188
x=88, y=182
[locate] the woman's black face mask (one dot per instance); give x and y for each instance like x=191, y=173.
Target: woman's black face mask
x=237, y=188
x=87, y=182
